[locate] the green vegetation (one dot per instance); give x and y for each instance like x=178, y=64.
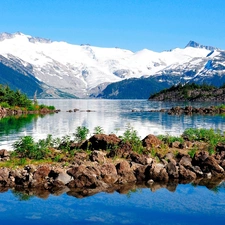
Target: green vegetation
x=130, y=135
x=209, y=136
x=18, y=101
x=51, y=150
x=98, y=130
x=81, y=133
x=185, y=90
x=168, y=139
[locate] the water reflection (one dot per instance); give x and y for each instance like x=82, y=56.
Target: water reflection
x=113, y=116
x=133, y=204
x=25, y=194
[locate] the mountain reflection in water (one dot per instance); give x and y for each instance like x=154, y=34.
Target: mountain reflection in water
x=113, y=116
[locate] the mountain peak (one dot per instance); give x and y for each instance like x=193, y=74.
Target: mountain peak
x=5, y=35
x=194, y=44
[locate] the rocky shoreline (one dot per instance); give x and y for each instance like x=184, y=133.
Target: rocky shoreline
x=189, y=110
x=13, y=112
x=116, y=168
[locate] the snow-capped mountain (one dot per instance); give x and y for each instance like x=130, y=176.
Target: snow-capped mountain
x=81, y=70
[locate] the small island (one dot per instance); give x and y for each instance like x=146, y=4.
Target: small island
x=190, y=92
x=16, y=103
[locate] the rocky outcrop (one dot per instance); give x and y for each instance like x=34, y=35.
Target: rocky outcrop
x=98, y=171
x=104, y=169
x=190, y=110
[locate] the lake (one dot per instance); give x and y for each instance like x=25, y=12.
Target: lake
x=114, y=116
x=182, y=204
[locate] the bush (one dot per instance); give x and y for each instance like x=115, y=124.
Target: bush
x=81, y=133
x=168, y=139
x=26, y=147
x=98, y=130
x=131, y=136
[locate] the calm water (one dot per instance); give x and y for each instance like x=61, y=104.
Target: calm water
x=112, y=115
x=185, y=205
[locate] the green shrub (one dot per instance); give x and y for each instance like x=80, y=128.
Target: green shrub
x=51, y=107
x=130, y=135
x=26, y=147
x=98, y=130
x=192, y=152
x=168, y=139
x=81, y=133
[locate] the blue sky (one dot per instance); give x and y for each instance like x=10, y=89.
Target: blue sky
x=131, y=24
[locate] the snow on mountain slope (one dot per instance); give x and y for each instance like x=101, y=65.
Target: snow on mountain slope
x=79, y=69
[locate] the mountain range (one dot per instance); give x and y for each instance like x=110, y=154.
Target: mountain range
x=59, y=69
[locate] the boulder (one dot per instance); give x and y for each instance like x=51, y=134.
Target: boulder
x=41, y=175
x=157, y=172
x=140, y=173
x=175, y=144
x=151, y=141
x=63, y=178
x=84, y=176
x=186, y=161
x=101, y=141
x=4, y=176
x=97, y=156
x=172, y=170
x=220, y=147
x=109, y=173
x=126, y=174
x=140, y=158
x=186, y=174
x=4, y=153
x=123, y=151
x=213, y=165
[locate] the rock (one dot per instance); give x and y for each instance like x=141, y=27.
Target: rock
x=175, y=144
x=109, y=173
x=186, y=174
x=151, y=141
x=97, y=156
x=197, y=170
x=223, y=164
x=123, y=151
x=4, y=153
x=172, y=170
x=40, y=176
x=125, y=172
x=212, y=164
x=201, y=156
x=220, y=147
x=63, y=178
x=140, y=173
x=84, y=176
x=101, y=141
x=157, y=172
x=188, y=144
x=4, y=176
x=140, y=158
x=186, y=161
x=80, y=157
